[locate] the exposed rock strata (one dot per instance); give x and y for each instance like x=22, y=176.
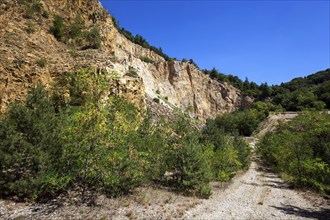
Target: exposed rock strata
x=174, y=83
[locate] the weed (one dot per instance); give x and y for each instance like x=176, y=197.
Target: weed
x=41, y=62
x=132, y=72
x=146, y=59
x=73, y=52
x=18, y=62
x=30, y=28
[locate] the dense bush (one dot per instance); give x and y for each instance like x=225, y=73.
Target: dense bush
x=41, y=62
x=74, y=136
x=29, y=146
x=301, y=149
x=239, y=122
x=82, y=142
x=93, y=37
x=146, y=59
x=58, y=28
x=245, y=121
x=75, y=33
x=229, y=154
x=31, y=8
x=132, y=72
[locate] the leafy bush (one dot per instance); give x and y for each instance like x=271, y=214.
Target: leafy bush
x=29, y=146
x=132, y=72
x=30, y=28
x=74, y=33
x=76, y=136
x=56, y=141
x=187, y=158
x=32, y=8
x=230, y=153
x=191, y=61
x=75, y=29
x=241, y=122
x=93, y=38
x=58, y=28
x=41, y=62
x=301, y=149
x=156, y=100
x=146, y=59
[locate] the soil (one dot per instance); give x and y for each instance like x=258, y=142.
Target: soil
x=272, y=122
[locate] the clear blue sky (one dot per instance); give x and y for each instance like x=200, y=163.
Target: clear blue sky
x=266, y=41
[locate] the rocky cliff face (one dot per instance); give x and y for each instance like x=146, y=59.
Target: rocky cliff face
x=31, y=54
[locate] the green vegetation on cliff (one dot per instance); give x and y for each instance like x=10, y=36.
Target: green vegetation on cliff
x=75, y=33
x=138, y=39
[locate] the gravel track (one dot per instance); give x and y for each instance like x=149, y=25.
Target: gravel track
x=260, y=194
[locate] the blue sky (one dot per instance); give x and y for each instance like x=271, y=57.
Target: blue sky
x=265, y=41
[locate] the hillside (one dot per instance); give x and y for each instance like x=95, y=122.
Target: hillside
x=272, y=122
x=310, y=92
x=78, y=139
x=42, y=40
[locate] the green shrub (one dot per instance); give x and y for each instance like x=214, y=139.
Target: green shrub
x=73, y=52
x=41, y=62
x=301, y=149
x=75, y=29
x=32, y=8
x=29, y=146
x=132, y=72
x=146, y=59
x=74, y=32
x=45, y=151
x=241, y=122
x=53, y=142
x=30, y=28
x=93, y=38
x=45, y=14
x=229, y=153
x=58, y=28
x=186, y=158
x=156, y=100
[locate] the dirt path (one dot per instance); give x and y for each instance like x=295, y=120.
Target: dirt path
x=260, y=194
x=272, y=121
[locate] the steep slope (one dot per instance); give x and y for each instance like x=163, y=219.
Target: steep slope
x=272, y=122
x=310, y=92
x=30, y=54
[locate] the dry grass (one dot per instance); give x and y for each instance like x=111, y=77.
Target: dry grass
x=143, y=203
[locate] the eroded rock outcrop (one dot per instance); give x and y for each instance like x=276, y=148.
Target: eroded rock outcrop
x=173, y=83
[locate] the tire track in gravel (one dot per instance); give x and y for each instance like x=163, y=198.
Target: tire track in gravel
x=260, y=194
